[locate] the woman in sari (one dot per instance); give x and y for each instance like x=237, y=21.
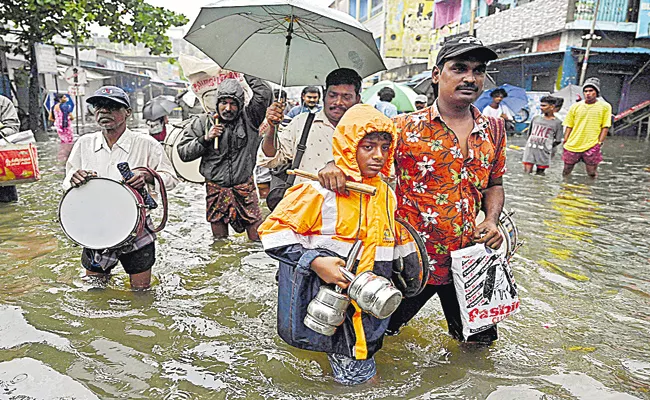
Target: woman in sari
x=61, y=115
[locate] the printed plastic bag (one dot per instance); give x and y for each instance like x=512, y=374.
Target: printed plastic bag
x=485, y=288
x=18, y=164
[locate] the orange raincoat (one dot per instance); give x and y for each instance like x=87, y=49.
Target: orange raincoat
x=312, y=221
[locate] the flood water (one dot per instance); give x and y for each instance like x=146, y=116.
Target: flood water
x=206, y=329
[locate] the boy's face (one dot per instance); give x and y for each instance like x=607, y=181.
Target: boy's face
x=546, y=108
x=372, y=154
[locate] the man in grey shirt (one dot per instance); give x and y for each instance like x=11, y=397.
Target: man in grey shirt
x=544, y=134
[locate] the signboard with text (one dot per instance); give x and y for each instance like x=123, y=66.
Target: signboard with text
x=45, y=58
x=75, y=90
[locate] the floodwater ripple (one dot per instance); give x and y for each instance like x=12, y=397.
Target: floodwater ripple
x=206, y=329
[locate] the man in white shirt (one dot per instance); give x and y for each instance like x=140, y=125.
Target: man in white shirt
x=342, y=91
x=98, y=154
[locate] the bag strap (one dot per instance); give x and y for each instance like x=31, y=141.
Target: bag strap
x=300, y=151
x=163, y=196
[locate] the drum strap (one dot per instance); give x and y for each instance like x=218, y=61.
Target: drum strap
x=163, y=196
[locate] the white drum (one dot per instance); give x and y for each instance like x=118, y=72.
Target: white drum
x=188, y=171
x=102, y=214
x=508, y=230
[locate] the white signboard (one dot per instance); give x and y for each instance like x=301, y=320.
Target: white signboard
x=75, y=76
x=45, y=58
x=77, y=90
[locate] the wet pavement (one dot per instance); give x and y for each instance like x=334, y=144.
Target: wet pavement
x=206, y=329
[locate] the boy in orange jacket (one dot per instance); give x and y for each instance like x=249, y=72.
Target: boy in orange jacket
x=312, y=230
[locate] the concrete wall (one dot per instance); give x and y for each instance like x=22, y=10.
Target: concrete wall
x=526, y=21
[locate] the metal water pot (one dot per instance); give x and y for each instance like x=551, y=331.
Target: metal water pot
x=375, y=294
x=328, y=307
x=326, y=311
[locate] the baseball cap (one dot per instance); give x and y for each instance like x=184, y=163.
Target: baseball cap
x=421, y=98
x=457, y=46
x=112, y=93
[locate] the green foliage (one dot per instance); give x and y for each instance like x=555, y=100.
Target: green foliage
x=129, y=21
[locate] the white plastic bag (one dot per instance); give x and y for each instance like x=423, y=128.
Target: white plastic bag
x=485, y=288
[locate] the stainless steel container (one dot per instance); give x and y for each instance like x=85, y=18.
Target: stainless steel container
x=326, y=311
x=375, y=294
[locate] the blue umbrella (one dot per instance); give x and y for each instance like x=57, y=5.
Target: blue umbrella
x=516, y=100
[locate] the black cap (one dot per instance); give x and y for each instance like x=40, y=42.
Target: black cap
x=112, y=93
x=462, y=45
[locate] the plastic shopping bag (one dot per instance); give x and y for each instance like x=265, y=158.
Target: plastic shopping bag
x=485, y=288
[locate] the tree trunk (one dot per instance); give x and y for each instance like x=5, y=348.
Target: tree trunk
x=35, y=117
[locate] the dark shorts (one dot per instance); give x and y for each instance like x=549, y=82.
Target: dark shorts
x=593, y=156
x=447, y=294
x=135, y=262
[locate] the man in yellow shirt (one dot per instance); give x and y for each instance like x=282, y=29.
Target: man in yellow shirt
x=587, y=124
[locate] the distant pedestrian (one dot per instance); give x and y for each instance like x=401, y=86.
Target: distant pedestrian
x=158, y=128
x=309, y=102
x=61, y=115
x=545, y=134
x=421, y=101
x=587, y=125
x=386, y=95
x=495, y=108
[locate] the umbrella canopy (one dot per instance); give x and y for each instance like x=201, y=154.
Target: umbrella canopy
x=516, y=100
x=290, y=42
x=158, y=107
x=404, y=96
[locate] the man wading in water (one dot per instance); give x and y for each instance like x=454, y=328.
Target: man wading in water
x=449, y=163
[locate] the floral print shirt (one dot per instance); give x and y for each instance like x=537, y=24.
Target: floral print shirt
x=439, y=191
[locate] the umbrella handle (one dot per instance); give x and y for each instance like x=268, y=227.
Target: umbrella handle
x=285, y=68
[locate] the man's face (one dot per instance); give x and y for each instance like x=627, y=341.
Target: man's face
x=460, y=81
x=311, y=99
x=228, y=109
x=110, y=115
x=590, y=94
x=155, y=127
x=338, y=98
x=372, y=154
x=419, y=105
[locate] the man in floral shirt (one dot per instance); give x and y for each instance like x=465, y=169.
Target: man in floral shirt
x=449, y=163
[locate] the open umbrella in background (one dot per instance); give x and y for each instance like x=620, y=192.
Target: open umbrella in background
x=158, y=107
x=516, y=100
x=404, y=96
x=290, y=42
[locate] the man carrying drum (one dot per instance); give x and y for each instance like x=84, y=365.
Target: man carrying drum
x=97, y=155
x=449, y=163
